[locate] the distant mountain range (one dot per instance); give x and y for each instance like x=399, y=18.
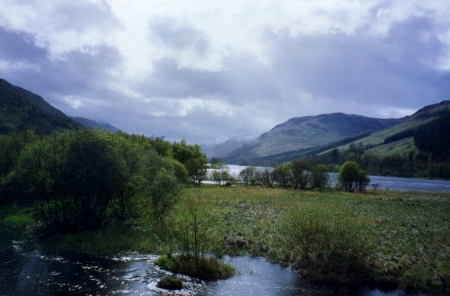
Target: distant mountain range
x=221, y=147
x=298, y=137
x=307, y=132
x=22, y=110
x=394, y=139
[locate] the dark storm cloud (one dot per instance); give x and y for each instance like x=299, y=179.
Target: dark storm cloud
x=179, y=36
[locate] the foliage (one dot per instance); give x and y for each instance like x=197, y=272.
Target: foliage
x=164, y=192
x=196, y=168
x=434, y=137
x=319, y=176
x=22, y=110
x=205, y=268
x=194, y=229
x=247, y=175
x=171, y=282
x=351, y=177
x=85, y=179
x=326, y=242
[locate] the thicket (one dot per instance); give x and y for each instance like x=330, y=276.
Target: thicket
x=299, y=174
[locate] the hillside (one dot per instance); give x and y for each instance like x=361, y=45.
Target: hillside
x=398, y=138
x=394, y=140
x=222, y=146
x=23, y=110
x=93, y=124
x=307, y=132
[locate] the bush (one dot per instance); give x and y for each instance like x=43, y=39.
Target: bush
x=205, y=268
x=329, y=245
x=170, y=283
x=352, y=178
x=319, y=177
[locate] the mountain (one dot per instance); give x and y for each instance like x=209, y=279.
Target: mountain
x=22, y=110
x=307, y=132
x=398, y=138
x=221, y=147
x=93, y=124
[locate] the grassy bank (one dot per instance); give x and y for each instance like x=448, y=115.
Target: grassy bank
x=408, y=233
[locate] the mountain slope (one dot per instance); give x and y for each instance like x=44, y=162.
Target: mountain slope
x=397, y=138
x=307, y=132
x=23, y=110
x=93, y=124
x=222, y=147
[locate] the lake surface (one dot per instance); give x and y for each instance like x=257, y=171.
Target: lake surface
x=38, y=273
x=390, y=183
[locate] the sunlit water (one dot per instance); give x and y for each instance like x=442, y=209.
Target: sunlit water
x=37, y=273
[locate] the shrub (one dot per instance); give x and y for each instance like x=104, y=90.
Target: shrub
x=352, y=178
x=328, y=245
x=170, y=283
x=319, y=177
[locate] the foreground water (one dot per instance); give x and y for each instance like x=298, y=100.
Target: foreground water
x=38, y=273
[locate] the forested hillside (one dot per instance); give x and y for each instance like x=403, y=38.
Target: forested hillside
x=21, y=110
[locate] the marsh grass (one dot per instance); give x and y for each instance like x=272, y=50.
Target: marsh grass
x=170, y=283
x=205, y=268
x=409, y=232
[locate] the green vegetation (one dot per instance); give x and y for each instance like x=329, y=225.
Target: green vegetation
x=170, y=283
x=22, y=110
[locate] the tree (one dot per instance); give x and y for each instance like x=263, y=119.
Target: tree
x=165, y=192
x=283, y=175
x=319, y=176
x=351, y=177
x=247, y=175
x=300, y=174
x=196, y=168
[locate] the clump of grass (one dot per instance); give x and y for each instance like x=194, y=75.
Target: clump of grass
x=331, y=247
x=170, y=283
x=205, y=268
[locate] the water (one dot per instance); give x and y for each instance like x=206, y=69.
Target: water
x=38, y=273
x=390, y=183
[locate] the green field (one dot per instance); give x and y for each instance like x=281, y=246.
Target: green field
x=407, y=233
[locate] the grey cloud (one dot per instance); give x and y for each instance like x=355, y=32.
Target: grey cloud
x=180, y=36
x=16, y=46
x=362, y=68
x=84, y=15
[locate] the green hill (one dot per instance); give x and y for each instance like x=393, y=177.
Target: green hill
x=23, y=110
x=303, y=133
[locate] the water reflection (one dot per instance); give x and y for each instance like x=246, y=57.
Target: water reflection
x=37, y=273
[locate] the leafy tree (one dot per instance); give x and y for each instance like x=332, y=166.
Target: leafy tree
x=247, y=175
x=319, y=176
x=85, y=179
x=300, y=173
x=196, y=168
x=165, y=192
x=283, y=175
x=351, y=177
x=265, y=177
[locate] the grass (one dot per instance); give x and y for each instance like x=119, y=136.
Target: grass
x=170, y=283
x=204, y=268
x=408, y=232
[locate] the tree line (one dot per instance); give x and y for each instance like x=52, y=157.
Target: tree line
x=85, y=179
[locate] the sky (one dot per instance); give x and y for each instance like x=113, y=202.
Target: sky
x=201, y=69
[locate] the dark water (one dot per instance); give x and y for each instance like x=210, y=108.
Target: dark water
x=37, y=273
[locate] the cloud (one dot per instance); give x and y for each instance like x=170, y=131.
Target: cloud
x=203, y=69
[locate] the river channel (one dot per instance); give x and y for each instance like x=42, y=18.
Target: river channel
x=37, y=273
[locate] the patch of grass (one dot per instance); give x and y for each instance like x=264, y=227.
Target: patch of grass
x=205, y=268
x=170, y=283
